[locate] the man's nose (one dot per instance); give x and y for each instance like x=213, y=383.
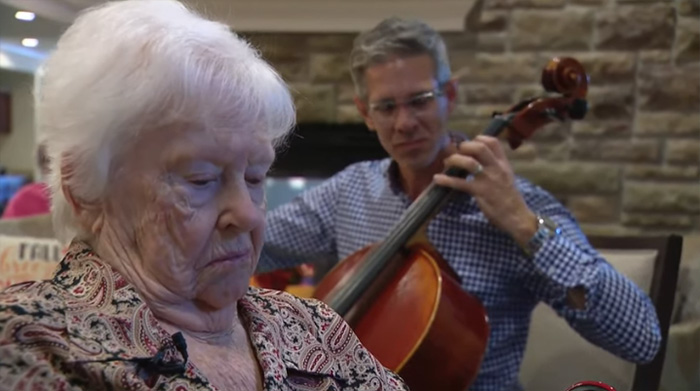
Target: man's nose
x=405, y=118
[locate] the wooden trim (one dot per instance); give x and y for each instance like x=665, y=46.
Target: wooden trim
x=5, y=112
x=332, y=16
x=292, y=16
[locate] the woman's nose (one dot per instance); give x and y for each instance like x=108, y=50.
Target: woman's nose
x=240, y=212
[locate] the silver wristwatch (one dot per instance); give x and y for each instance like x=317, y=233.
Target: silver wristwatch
x=546, y=229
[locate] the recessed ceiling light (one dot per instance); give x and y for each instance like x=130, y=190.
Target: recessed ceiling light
x=30, y=42
x=25, y=15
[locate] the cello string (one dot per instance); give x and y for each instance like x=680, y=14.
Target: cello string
x=418, y=212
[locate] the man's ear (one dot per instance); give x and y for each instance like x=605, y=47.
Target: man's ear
x=451, y=90
x=364, y=112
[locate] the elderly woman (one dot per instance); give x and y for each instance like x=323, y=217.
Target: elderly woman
x=160, y=128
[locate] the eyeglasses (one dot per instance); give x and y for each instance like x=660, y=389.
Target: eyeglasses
x=385, y=110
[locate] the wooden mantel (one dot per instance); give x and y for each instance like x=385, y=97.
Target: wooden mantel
x=331, y=15
x=290, y=15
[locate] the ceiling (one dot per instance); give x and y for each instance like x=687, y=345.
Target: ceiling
x=54, y=16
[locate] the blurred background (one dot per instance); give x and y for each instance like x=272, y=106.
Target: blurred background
x=631, y=167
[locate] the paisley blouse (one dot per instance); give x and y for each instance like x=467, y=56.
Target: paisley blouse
x=87, y=328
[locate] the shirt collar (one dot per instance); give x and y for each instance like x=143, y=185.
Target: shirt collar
x=391, y=173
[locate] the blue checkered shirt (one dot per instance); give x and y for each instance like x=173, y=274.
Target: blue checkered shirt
x=359, y=205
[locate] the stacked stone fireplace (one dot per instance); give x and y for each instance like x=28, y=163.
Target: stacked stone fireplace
x=632, y=165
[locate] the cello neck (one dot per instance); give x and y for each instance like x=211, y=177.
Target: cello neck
x=421, y=210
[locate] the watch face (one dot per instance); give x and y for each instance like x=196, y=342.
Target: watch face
x=549, y=225
x=546, y=228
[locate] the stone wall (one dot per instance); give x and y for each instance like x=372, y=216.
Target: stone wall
x=631, y=165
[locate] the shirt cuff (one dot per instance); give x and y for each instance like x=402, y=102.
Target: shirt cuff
x=561, y=265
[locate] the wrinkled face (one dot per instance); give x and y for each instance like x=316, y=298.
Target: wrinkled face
x=408, y=109
x=189, y=203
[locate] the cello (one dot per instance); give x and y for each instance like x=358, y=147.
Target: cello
x=402, y=299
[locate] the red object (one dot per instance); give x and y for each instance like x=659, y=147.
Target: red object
x=32, y=199
x=277, y=280
x=590, y=386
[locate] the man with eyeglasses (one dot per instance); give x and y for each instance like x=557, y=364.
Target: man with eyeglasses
x=512, y=243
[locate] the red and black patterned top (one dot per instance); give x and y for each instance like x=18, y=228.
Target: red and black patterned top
x=77, y=331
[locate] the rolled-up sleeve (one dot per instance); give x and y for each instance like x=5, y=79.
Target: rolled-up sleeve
x=303, y=230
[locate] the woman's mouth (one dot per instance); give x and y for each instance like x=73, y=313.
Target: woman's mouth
x=231, y=257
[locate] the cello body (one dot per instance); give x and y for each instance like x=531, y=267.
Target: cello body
x=422, y=323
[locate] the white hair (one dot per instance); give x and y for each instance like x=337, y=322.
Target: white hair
x=130, y=66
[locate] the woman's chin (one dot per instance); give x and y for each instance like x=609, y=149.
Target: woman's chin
x=223, y=293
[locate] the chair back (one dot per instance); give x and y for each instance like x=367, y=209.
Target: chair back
x=556, y=356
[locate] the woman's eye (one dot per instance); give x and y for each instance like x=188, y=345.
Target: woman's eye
x=201, y=182
x=254, y=181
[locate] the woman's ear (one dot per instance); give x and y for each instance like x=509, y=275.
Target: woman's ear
x=89, y=215
x=67, y=173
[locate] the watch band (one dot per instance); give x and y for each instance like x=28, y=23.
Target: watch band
x=546, y=229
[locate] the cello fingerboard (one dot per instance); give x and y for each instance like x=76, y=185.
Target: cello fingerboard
x=422, y=209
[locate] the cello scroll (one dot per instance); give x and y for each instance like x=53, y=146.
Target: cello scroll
x=562, y=75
